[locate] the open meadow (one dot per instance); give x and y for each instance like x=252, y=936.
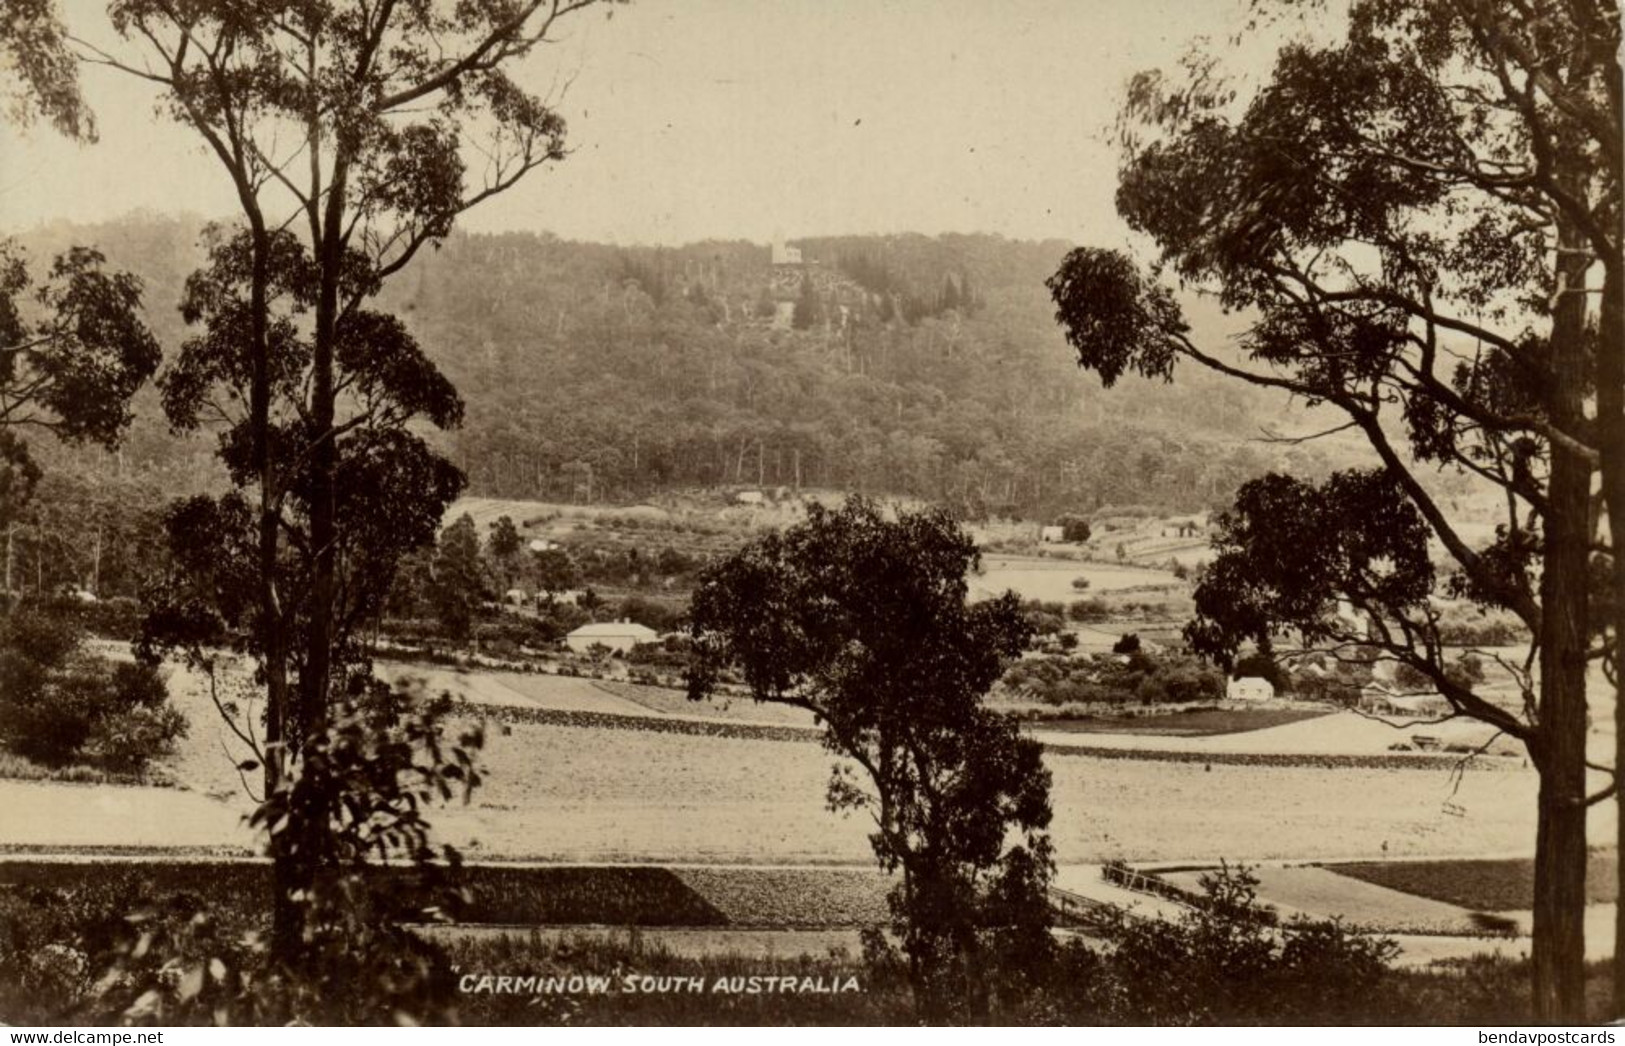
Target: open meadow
x=616, y=791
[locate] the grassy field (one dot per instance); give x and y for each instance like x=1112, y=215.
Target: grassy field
x=1051, y=580
x=546, y=895
x=1320, y=893
x=722, y=706
x=618, y=794
x=1486, y=886
x=590, y=793
x=1201, y=722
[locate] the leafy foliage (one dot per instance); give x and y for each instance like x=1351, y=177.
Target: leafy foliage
x=1289, y=551
x=44, y=80
x=1224, y=961
x=1410, y=211
x=71, y=364
x=863, y=620
x=458, y=585
x=58, y=703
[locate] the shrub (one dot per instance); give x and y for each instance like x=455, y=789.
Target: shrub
x=126, y=739
x=1090, y=610
x=655, y=615
x=1074, y=529
x=58, y=703
x=1046, y=619
x=1222, y=962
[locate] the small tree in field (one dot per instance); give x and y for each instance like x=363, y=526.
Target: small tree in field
x=458, y=585
x=863, y=621
x=504, y=549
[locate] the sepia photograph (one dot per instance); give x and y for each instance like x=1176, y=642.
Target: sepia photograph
x=770, y=513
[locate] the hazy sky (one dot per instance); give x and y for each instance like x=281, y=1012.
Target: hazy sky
x=745, y=118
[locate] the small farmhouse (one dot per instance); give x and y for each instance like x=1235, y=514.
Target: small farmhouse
x=1051, y=535
x=616, y=635
x=1249, y=688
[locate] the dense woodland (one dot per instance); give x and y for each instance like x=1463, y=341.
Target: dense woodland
x=906, y=365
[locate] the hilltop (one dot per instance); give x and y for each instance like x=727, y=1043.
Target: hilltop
x=906, y=366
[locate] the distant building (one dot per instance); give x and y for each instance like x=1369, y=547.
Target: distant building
x=543, y=545
x=784, y=254
x=1050, y=535
x=616, y=635
x=749, y=497
x=1377, y=699
x=517, y=596
x=1249, y=688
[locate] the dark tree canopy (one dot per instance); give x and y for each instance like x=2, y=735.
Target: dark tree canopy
x=70, y=359
x=863, y=620
x=458, y=584
x=392, y=489
x=1414, y=214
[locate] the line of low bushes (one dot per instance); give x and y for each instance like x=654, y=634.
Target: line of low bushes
x=562, y=895
x=1377, y=761
x=657, y=724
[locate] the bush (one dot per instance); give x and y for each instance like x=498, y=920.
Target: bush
x=1074, y=529
x=1223, y=962
x=1103, y=679
x=1046, y=619
x=1089, y=610
x=126, y=739
x=58, y=703
x=649, y=612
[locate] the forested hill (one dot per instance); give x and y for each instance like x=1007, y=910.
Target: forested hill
x=900, y=365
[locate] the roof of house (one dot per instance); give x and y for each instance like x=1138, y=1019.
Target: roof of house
x=615, y=628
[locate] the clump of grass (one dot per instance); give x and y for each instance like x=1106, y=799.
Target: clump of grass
x=16, y=767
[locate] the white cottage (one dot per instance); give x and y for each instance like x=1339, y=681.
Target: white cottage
x=1249, y=688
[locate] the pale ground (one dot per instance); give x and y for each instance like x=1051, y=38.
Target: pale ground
x=559, y=793
x=1339, y=733
x=1324, y=894
x=575, y=793
x=1051, y=579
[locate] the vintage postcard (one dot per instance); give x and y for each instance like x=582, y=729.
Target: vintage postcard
x=773, y=512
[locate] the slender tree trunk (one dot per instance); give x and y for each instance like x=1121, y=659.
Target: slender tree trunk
x=317, y=678
x=1611, y=440
x=1558, y=951
x=285, y=931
